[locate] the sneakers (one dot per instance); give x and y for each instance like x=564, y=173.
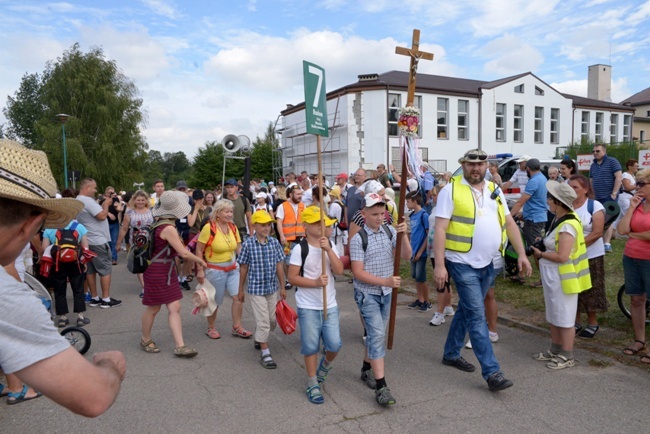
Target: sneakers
x=459, y=363
x=287, y=285
x=87, y=297
x=185, y=351
x=63, y=322
x=185, y=285
x=449, y=311
x=608, y=248
x=494, y=337
x=438, y=318
x=498, y=382
x=415, y=305
x=114, y=302
x=82, y=321
x=424, y=307
x=384, y=397
x=368, y=377
x=468, y=345
x=560, y=362
x=95, y=302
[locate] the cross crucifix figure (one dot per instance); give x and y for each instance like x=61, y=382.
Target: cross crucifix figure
x=415, y=54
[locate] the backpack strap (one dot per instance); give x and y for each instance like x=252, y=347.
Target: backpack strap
x=590, y=206
x=364, y=235
x=304, y=251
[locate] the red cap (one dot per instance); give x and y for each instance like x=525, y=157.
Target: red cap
x=342, y=175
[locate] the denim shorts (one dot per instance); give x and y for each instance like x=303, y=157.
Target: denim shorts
x=419, y=269
x=637, y=276
x=497, y=271
x=313, y=328
x=223, y=280
x=374, y=310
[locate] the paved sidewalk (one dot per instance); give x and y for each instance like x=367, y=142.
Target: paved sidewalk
x=225, y=390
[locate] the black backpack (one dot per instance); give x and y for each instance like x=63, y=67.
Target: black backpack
x=140, y=255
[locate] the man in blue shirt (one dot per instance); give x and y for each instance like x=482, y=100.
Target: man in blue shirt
x=606, y=178
x=533, y=202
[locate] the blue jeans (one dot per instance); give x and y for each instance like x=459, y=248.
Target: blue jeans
x=374, y=310
x=115, y=231
x=471, y=285
x=313, y=328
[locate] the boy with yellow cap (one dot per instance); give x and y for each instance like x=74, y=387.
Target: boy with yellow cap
x=309, y=278
x=261, y=260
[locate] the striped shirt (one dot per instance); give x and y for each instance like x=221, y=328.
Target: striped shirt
x=377, y=259
x=262, y=260
x=603, y=177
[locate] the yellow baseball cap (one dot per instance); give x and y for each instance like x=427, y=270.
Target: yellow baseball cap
x=311, y=214
x=262, y=216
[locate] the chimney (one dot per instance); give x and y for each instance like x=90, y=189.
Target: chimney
x=599, y=84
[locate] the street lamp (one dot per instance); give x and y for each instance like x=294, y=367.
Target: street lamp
x=63, y=118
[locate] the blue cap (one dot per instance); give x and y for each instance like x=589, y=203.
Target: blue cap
x=232, y=181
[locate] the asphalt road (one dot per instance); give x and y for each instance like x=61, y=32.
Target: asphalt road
x=225, y=390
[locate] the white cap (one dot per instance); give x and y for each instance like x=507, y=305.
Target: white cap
x=373, y=199
x=523, y=158
x=260, y=195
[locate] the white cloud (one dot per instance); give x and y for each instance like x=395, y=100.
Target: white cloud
x=511, y=56
x=497, y=16
x=619, y=90
x=162, y=7
x=642, y=13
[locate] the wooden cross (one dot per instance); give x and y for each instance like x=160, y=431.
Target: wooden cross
x=415, y=54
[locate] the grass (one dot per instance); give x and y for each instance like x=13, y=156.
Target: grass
x=525, y=303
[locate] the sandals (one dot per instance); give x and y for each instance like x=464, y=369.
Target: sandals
x=631, y=351
x=189, y=278
x=314, y=394
x=4, y=390
x=212, y=333
x=149, y=346
x=560, y=362
x=537, y=284
x=185, y=351
x=82, y=321
x=267, y=362
x=63, y=322
x=241, y=332
x=645, y=359
x=589, y=332
x=545, y=356
x=17, y=397
x=578, y=327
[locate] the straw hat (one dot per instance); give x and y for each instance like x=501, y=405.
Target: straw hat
x=562, y=192
x=173, y=204
x=204, y=299
x=25, y=176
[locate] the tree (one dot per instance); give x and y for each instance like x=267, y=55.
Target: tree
x=208, y=166
x=103, y=132
x=175, y=166
x=262, y=154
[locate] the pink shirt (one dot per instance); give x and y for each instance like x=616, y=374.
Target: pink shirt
x=638, y=249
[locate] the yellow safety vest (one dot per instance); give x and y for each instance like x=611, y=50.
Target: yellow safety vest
x=460, y=232
x=574, y=273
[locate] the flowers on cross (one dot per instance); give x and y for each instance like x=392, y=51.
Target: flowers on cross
x=408, y=121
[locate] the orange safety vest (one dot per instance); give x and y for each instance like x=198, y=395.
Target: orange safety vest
x=292, y=224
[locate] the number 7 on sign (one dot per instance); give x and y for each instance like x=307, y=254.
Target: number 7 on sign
x=318, y=73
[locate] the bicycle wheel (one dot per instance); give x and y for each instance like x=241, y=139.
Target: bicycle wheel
x=624, y=304
x=78, y=337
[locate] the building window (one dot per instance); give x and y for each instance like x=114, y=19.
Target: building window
x=463, y=119
x=501, y=122
x=584, y=126
x=613, y=128
x=642, y=136
x=599, y=127
x=647, y=113
x=539, y=124
x=626, y=127
x=519, y=123
x=555, y=126
x=394, y=104
x=538, y=91
x=519, y=89
x=443, y=118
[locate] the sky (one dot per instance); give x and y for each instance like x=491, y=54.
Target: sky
x=208, y=68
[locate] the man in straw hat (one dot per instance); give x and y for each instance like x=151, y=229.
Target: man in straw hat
x=30, y=345
x=466, y=207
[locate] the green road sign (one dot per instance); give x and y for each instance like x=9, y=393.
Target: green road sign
x=315, y=99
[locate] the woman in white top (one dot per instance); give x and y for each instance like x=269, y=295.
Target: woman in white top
x=592, y=216
x=629, y=188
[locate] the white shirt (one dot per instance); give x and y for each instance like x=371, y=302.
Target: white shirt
x=487, y=230
x=307, y=197
x=597, y=248
x=312, y=298
x=520, y=177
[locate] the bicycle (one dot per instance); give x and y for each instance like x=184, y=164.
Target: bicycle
x=624, y=304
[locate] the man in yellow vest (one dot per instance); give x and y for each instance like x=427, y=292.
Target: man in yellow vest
x=472, y=220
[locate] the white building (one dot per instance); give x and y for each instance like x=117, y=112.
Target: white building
x=640, y=102
x=520, y=115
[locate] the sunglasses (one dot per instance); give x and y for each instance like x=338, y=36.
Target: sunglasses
x=596, y=152
x=481, y=157
x=641, y=184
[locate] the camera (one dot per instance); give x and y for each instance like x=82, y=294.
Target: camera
x=538, y=244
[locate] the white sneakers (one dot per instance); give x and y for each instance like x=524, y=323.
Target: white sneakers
x=494, y=337
x=448, y=311
x=438, y=318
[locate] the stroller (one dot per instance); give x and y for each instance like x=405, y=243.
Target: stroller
x=78, y=337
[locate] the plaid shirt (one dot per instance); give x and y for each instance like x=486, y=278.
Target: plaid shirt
x=262, y=260
x=377, y=259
